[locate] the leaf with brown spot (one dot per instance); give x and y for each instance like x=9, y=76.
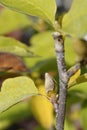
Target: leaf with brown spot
x=11, y=63
x=11, y=66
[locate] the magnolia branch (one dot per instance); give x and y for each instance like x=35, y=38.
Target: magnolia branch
x=64, y=77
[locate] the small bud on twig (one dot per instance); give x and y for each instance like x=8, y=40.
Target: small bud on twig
x=50, y=85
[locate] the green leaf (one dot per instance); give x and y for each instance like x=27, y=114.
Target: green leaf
x=74, y=97
x=13, y=46
x=45, y=65
x=14, y=90
x=70, y=55
x=81, y=89
x=11, y=21
x=78, y=91
x=45, y=9
x=45, y=42
x=40, y=44
x=68, y=126
x=74, y=22
x=39, y=128
x=15, y=114
x=84, y=115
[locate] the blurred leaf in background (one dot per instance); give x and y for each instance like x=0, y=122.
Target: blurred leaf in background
x=11, y=63
x=11, y=21
x=74, y=22
x=14, y=46
x=42, y=44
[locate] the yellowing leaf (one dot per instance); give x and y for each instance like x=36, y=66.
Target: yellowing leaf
x=74, y=77
x=75, y=21
x=45, y=9
x=42, y=109
x=78, y=80
x=14, y=90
